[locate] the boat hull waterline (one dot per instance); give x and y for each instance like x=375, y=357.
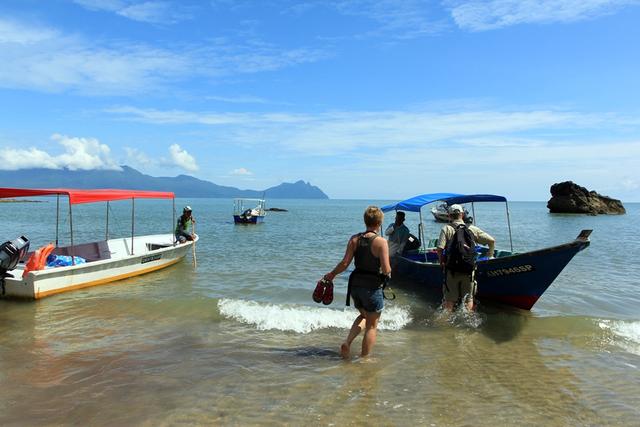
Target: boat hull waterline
x=517, y=280
x=254, y=219
x=51, y=281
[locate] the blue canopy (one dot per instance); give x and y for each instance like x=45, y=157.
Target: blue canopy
x=414, y=204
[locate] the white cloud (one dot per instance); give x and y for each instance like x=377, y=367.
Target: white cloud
x=518, y=172
x=241, y=172
x=151, y=11
x=20, y=34
x=137, y=159
x=44, y=59
x=178, y=157
x=16, y=159
x=80, y=154
x=85, y=153
x=155, y=12
x=240, y=99
x=395, y=19
x=480, y=15
x=182, y=158
x=335, y=133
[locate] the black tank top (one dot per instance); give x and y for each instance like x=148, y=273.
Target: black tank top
x=367, y=271
x=364, y=258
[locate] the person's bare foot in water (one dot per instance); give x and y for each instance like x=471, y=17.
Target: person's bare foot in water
x=345, y=350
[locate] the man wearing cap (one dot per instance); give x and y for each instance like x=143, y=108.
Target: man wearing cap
x=185, y=222
x=398, y=234
x=460, y=285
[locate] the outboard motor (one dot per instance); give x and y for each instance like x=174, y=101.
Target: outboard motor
x=10, y=254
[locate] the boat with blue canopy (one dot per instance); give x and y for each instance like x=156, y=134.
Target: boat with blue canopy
x=511, y=278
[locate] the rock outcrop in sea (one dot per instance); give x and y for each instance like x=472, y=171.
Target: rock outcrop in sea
x=568, y=197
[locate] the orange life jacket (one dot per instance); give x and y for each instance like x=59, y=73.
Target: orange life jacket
x=38, y=259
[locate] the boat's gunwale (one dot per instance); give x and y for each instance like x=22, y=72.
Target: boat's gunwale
x=563, y=246
x=71, y=268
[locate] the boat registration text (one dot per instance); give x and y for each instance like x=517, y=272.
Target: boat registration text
x=512, y=270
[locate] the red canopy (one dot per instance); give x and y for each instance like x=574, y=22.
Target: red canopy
x=85, y=196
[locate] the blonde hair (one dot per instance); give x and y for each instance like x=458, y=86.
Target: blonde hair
x=373, y=216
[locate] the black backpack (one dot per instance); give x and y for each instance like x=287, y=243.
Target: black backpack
x=461, y=251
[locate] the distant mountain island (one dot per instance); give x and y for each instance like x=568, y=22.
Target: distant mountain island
x=129, y=178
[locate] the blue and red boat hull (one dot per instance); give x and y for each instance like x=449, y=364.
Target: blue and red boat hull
x=517, y=280
x=254, y=219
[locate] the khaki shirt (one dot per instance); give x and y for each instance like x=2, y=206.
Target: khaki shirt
x=479, y=236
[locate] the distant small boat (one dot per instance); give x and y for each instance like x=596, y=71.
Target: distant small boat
x=441, y=213
x=511, y=278
x=86, y=264
x=244, y=214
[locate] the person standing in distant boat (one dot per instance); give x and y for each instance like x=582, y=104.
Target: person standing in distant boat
x=398, y=234
x=457, y=284
x=185, y=222
x=371, y=253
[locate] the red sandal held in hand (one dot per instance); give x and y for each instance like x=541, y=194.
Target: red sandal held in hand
x=327, y=298
x=319, y=291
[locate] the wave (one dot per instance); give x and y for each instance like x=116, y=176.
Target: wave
x=627, y=333
x=304, y=319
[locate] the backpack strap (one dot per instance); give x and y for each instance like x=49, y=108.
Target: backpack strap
x=348, y=303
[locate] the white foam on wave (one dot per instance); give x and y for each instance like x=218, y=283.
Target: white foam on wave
x=304, y=319
x=626, y=332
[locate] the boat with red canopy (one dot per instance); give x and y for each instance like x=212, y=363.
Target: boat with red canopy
x=25, y=274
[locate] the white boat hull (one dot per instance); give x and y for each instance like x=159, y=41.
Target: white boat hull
x=122, y=264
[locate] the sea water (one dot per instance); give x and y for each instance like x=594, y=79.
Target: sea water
x=239, y=341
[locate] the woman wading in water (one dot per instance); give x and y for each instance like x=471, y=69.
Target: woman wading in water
x=371, y=254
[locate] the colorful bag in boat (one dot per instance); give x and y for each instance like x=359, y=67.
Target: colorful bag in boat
x=38, y=259
x=64, y=260
x=461, y=251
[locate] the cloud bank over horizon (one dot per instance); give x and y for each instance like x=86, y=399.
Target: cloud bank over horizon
x=90, y=154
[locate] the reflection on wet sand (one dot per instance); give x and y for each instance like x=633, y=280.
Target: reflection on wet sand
x=173, y=361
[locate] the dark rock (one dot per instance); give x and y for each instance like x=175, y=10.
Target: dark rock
x=567, y=197
x=277, y=210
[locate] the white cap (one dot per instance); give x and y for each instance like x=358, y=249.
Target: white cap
x=187, y=209
x=455, y=209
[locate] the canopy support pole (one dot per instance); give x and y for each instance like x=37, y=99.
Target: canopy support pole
x=174, y=220
x=133, y=207
x=57, y=216
x=106, y=234
x=421, y=230
x=509, y=224
x=473, y=211
x=73, y=258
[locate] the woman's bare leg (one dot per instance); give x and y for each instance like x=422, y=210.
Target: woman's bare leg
x=370, y=333
x=356, y=328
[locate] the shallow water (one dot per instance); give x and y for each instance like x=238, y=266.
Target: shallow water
x=239, y=341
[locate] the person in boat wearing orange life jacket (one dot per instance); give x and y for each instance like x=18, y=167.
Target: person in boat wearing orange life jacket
x=459, y=285
x=185, y=222
x=371, y=253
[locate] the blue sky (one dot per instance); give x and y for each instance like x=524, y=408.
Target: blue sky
x=365, y=99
